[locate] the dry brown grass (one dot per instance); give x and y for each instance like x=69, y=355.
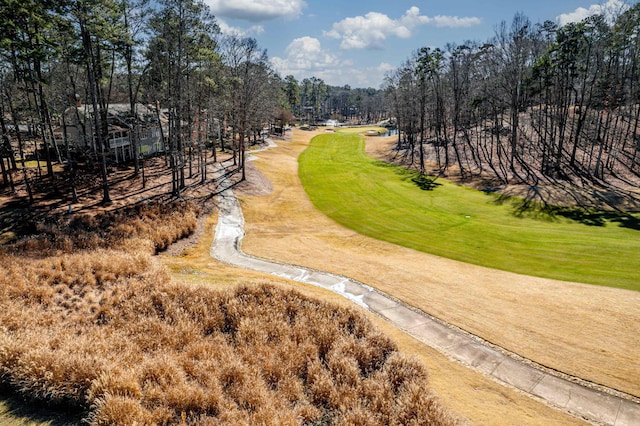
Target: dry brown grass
x=106, y=332
x=469, y=393
x=160, y=223
x=584, y=330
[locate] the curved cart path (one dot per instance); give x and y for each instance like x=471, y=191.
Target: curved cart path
x=572, y=394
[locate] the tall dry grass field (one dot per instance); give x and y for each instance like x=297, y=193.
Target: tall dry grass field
x=161, y=224
x=91, y=321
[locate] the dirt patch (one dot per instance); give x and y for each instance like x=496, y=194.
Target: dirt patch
x=256, y=183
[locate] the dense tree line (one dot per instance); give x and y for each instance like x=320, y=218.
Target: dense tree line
x=534, y=102
x=168, y=54
x=313, y=101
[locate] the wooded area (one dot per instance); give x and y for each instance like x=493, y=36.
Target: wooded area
x=93, y=83
x=536, y=103
x=90, y=84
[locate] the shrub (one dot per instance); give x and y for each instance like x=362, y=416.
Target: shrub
x=106, y=332
x=160, y=223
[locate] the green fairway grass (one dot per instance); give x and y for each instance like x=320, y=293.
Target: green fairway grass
x=386, y=202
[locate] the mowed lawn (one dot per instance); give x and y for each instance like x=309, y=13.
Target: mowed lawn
x=383, y=202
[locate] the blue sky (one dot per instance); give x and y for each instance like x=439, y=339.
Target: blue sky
x=355, y=42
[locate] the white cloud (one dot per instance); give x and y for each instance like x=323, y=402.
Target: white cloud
x=358, y=76
x=610, y=9
x=371, y=30
x=367, y=31
x=305, y=57
x=227, y=29
x=307, y=53
x=385, y=67
x=454, y=21
x=256, y=10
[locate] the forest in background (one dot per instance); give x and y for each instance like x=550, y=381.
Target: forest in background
x=206, y=88
x=210, y=91
x=536, y=104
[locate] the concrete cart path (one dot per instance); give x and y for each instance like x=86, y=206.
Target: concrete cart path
x=574, y=395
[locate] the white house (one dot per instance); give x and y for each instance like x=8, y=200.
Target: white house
x=144, y=126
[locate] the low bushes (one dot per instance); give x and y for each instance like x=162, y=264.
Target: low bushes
x=159, y=223
x=106, y=332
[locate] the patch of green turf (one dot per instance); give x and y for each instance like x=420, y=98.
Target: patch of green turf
x=435, y=216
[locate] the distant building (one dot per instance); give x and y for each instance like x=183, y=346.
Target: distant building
x=144, y=127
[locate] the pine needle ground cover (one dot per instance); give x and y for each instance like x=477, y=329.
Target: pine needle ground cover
x=98, y=328
x=393, y=204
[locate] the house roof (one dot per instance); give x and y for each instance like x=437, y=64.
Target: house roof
x=142, y=112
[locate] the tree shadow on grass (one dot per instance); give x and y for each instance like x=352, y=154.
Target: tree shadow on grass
x=426, y=183
x=533, y=205
x=596, y=218
x=531, y=208
x=422, y=181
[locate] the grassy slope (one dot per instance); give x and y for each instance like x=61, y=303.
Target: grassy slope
x=284, y=225
x=383, y=202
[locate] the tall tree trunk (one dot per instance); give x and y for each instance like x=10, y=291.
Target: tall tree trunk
x=72, y=170
x=242, y=154
x=14, y=117
x=43, y=130
x=93, y=89
x=423, y=101
x=6, y=143
x=133, y=128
